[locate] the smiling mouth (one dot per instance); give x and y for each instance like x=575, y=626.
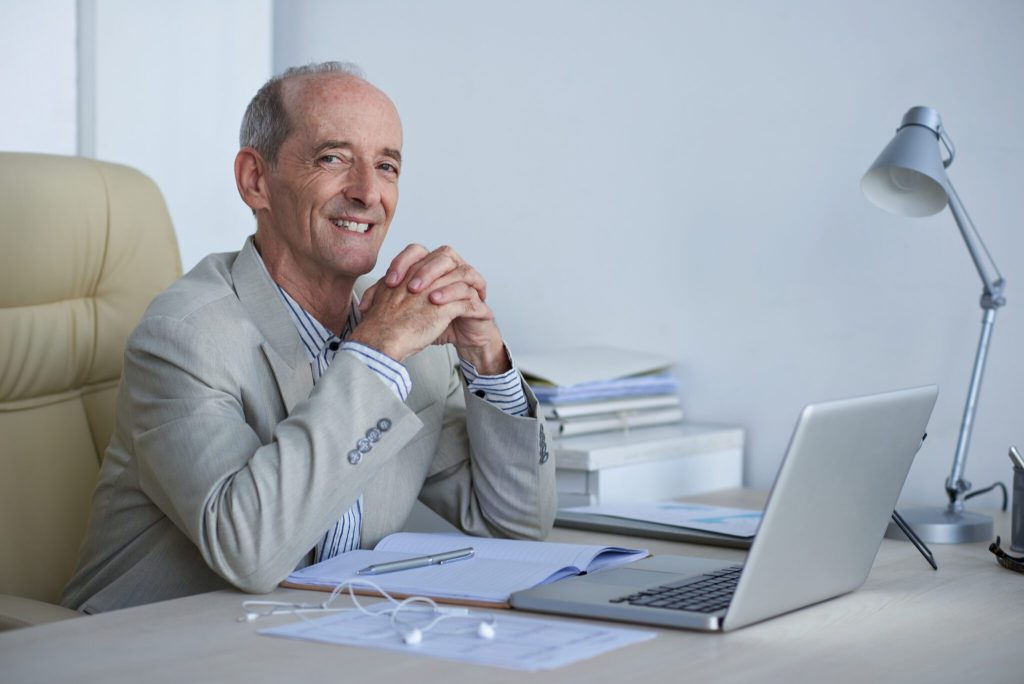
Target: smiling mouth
x=352, y=226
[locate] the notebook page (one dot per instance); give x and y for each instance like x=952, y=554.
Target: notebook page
x=498, y=568
x=552, y=555
x=473, y=579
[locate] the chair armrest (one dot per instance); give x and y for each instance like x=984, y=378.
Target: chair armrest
x=17, y=611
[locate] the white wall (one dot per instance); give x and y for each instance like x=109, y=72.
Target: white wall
x=684, y=178
x=37, y=79
x=167, y=83
x=158, y=85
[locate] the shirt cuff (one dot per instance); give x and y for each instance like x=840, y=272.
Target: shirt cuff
x=504, y=391
x=394, y=374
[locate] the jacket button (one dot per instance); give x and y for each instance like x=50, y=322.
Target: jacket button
x=364, y=446
x=373, y=434
x=354, y=457
x=384, y=424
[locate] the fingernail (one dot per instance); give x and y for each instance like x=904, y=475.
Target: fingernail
x=415, y=284
x=391, y=278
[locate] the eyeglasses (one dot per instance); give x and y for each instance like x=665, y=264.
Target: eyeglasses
x=1015, y=563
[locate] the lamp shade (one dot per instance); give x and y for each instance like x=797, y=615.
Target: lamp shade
x=909, y=177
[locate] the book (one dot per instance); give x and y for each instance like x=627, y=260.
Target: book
x=591, y=373
x=605, y=406
x=634, y=385
x=498, y=567
x=585, y=425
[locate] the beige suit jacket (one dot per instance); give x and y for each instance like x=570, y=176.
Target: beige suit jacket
x=227, y=464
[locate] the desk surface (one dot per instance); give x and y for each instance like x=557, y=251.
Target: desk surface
x=906, y=624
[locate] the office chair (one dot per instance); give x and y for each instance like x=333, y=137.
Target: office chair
x=84, y=247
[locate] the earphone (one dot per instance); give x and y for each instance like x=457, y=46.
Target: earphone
x=410, y=634
x=486, y=630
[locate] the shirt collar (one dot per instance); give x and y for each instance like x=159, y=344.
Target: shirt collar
x=315, y=336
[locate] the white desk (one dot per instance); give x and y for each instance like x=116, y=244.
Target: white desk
x=906, y=624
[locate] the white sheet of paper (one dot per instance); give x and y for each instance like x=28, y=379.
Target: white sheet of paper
x=737, y=522
x=520, y=643
x=588, y=364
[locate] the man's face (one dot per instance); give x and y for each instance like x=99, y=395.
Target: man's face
x=334, y=188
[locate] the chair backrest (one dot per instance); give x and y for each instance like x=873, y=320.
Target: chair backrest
x=84, y=247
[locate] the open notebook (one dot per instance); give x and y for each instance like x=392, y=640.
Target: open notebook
x=498, y=567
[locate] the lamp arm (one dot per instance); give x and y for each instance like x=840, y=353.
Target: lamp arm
x=991, y=299
x=956, y=485
x=991, y=278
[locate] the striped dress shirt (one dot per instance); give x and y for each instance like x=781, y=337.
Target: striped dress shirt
x=504, y=391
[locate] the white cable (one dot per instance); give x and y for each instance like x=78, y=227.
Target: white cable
x=411, y=634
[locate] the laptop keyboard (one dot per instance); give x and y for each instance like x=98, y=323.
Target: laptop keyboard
x=704, y=594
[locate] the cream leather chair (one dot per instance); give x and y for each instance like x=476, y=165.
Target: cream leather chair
x=84, y=247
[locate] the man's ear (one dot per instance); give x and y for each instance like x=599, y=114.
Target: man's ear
x=251, y=178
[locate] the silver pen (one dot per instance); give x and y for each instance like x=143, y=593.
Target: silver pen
x=418, y=562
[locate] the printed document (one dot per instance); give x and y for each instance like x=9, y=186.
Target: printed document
x=734, y=522
x=520, y=643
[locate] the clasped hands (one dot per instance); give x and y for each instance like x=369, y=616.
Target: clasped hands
x=431, y=298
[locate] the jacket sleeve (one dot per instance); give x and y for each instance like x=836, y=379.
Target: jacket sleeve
x=252, y=509
x=492, y=475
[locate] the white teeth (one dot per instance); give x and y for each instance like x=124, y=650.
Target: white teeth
x=351, y=225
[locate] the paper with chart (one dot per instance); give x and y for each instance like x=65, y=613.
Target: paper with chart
x=520, y=643
x=735, y=522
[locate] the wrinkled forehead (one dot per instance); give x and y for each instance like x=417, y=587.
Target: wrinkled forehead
x=317, y=104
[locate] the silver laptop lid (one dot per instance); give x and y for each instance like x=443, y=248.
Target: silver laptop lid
x=847, y=461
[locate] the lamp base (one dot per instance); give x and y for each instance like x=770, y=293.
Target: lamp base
x=944, y=526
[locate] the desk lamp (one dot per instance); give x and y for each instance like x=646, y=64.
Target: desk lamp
x=909, y=179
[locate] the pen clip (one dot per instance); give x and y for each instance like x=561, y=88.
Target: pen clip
x=464, y=556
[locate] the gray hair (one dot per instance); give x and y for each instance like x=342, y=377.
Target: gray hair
x=266, y=123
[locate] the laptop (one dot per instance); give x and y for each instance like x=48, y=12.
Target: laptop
x=822, y=528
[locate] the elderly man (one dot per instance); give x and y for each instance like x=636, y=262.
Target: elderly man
x=269, y=418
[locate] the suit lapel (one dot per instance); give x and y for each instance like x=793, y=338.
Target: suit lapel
x=293, y=383
x=281, y=344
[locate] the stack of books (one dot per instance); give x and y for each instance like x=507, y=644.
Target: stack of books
x=605, y=415
x=594, y=397
x=600, y=389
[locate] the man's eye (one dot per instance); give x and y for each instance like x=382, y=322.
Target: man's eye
x=330, y=158
x=388, y=166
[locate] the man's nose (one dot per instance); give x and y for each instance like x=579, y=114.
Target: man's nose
x=363, y=186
